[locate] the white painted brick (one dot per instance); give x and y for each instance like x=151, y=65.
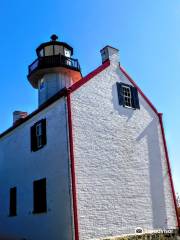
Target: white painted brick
x=20, y=167
x=121, y=170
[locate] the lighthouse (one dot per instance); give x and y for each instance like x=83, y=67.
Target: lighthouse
x=91, y=162
x=53, y=69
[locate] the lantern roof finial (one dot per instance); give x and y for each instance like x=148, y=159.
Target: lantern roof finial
x=54, y=37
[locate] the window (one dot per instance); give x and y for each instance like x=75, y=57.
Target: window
x=41, y=84
x=48, y=50
x=67, y=52
x=41, y=53
x=38, y=135
x=39, y=189
x=128, y=96
x=58, y=50
x=13, y=202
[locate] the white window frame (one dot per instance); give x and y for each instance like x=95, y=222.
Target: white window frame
x=127, y=97
x=67, y=51
x=39, y=134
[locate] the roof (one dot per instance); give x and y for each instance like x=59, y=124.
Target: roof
x=38, y=49
x=65, y=91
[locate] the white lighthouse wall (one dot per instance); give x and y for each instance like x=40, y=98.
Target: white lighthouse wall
x=53, y=82
x=19, y=167
x=121, y=170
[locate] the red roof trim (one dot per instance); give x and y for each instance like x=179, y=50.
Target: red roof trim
x=139, y=90
x=73, y=175
x=89, y=76
x=169, y=167
x=60, y=94
x=164, y=141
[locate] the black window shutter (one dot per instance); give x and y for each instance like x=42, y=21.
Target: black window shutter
x=40, y=201
x=33, y=138
x=135, y=98
x=13, y=202
x=44, y=137
x=120, y=93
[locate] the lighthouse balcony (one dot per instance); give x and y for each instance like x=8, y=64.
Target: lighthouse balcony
x=53, y=61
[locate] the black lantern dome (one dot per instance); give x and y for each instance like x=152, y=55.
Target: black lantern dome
x=54, y=47
x=50, y=56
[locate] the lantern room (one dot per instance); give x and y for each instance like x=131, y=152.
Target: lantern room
x=54, y=48
x=53, y=57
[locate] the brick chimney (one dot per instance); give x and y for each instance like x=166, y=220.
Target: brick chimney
x=110, y=53
x=18, y=115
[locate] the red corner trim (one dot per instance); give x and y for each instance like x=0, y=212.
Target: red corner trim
x=164, y=141
x=169, y=167
x=73, y=175
x=139, y=90
x=71, y=148
x=89, y=76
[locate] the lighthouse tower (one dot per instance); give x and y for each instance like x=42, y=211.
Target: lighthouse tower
x=53, y=69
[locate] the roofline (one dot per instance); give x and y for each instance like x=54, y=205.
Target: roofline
x=92, y=74
x=75, y=86
x=169, y=168
x=164, y=142
x=139, y=90
x=62, y=93
x=42, y=45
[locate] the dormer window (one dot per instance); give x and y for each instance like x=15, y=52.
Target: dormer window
x=128, y=96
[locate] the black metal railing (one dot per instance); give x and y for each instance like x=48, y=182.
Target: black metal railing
x=54, y=61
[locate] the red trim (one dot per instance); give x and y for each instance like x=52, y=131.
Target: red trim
x=89, y=76
x=164, y=141
x=60, y=94
x=139, y=90
x=73, y=175
x=169, y=167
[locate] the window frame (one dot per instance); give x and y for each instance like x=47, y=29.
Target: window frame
x=66, y=50
x=38, y=137
x=127, y=97
x=134, y=95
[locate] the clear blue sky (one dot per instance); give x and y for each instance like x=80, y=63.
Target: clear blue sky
x=146, y=32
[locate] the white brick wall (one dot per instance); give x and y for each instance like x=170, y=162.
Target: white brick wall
x=53, y=82
x=20, y=167
x=121, y=171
